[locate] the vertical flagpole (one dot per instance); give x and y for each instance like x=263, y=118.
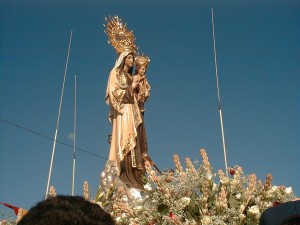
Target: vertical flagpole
x=57, y=122
x=74, y=143
x=219, y=99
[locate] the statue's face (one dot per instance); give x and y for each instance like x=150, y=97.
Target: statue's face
x=142, y=70
x=129, y=61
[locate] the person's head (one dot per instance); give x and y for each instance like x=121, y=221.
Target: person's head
x=125, y=61
x=66, y=210
x=287, y=213
x=141, y=62
x=141, y=70
x=128, y=63
x=292, y=221
x=168, y=175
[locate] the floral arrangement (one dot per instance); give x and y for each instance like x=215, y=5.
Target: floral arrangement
x=7, y=219
x=11, y=219
x=195, y=196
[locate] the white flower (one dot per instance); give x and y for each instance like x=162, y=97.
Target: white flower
x=208, y=176
x=214, y=187
x=269, y=204
x=257, y=200
x=234, y=183
x=253, y=212
x=139, y=208
x=152, y=173
x=224, y=180
x=274, y=188
x=238, y=195
x=135, y=193
x=206, y=220
x=125, y=198
x=185, y=201
x=148, y=187
x=288, y=190
x=271, y=191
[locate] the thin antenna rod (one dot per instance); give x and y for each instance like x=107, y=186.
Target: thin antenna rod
x=218, y=89
x=57, y=123
x=74, y=150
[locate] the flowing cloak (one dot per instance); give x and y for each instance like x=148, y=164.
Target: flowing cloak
x=125, y=117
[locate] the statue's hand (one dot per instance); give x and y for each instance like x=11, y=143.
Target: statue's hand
x=135, y=82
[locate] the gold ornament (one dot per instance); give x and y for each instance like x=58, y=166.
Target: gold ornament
x=142, y=60
x=119, y=36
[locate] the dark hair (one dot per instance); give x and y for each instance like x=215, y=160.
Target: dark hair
x=168, y=171
x=292, y=221
x=287, y=213
x=66, y=210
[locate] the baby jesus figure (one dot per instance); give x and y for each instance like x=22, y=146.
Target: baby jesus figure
x=143, y=89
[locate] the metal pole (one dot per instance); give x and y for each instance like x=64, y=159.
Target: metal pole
x=74, y=149
x=57, y=123
x=218, y=89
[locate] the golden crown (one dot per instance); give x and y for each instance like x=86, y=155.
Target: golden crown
x=142, y=60
x=119, y=36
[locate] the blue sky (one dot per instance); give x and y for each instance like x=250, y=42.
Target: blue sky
x=258, y=51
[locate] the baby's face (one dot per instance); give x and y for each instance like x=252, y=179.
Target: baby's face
x=142, y=70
